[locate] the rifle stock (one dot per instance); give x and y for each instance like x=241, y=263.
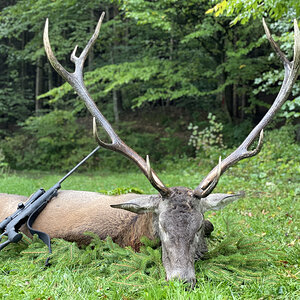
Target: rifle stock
x=21, y=207
x=30, y=210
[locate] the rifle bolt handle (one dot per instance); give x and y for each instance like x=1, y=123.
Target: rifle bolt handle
x=21, y=205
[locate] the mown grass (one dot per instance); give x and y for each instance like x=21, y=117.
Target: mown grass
x=254, y=250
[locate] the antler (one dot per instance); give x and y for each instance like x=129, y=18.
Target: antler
x=75, y=79
x=290, y=75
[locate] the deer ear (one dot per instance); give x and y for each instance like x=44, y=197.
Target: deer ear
x=219, y=201
x=141, y=205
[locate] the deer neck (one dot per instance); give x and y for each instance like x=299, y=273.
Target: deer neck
x=139, y=226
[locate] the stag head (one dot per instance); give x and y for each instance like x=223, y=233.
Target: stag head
x=179, y=222
x=178, y=212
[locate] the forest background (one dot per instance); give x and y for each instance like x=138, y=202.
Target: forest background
x=176, y=78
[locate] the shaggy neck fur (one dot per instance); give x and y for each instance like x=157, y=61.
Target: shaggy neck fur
x=139, y=226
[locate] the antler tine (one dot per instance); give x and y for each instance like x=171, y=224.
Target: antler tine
x=274, y=45
x=296, y=59
x=75, y=79
x=290, y=76
x=52, y=59
x=148, y=165
x=81, y=59
x=152, y=177
x=212, y=185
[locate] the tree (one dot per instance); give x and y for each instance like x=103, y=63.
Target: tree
x=150, y=54
x=244, y=10
x=280, y=13
x=25, y=67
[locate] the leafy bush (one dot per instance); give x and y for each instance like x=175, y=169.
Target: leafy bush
x=52, y=141
x=58, y=141
x=3, y=165
x=277, y=159
x=291, y=109
x=234, y=134
x=206, y=140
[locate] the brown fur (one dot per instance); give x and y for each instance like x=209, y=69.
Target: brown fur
x=141, y=225
x=72, y=213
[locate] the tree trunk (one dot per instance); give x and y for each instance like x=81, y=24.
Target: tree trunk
x=23, y=68
x=50, y=77
x=116, y=106
x=224, y=100
x=234, y=102
x=38, y=85
x=114, y=91
x=91, y=52
x=234, y=88
x=243, y=103
x=221, y=59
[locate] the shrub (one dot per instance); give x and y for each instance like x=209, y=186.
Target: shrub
x=277, y=159
x=207, y=140
x=4, y=167
x=52, y=141
x=57, y=141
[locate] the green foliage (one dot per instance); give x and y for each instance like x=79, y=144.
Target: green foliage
x=239, y=259
x=291, y=109
x=121, y=191
x=245, y=10
x=156, y=79
x=281, y=12
x=276, y=163
x=14, y=106
x=234, y=134
x=172, y=52
x=207, y=140
x=52, y=141
x=57, y=141
x=270, y=81
x=21, y=50
x=4, y=167
x=151, y=54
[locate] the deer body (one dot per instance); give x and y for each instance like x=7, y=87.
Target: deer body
x=178, y=221
x=72, y=213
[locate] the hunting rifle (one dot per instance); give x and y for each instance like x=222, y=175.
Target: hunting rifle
x=29, y=211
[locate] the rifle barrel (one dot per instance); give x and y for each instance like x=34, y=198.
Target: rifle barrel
x=78, y=165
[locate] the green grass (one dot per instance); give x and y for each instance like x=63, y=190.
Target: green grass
x=254, y=250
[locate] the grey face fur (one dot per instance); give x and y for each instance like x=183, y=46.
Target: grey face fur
x=179, y=222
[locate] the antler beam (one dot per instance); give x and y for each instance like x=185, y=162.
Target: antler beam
x=75, y=79
x=290, y=76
